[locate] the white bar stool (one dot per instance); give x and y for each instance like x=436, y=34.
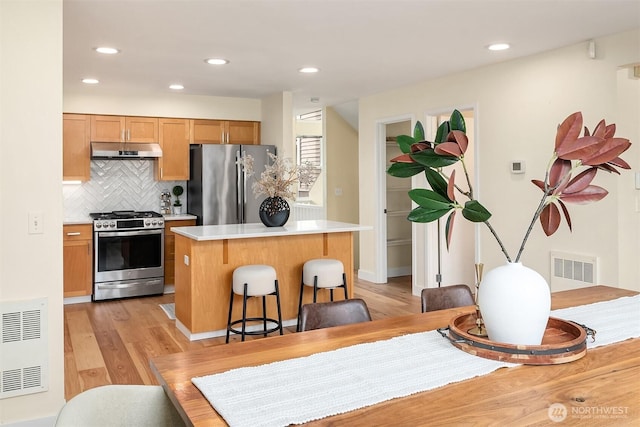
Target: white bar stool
x=322, y=273
x=254, y=281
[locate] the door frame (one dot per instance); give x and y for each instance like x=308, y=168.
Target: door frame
x=428, y=270
x=380, y=226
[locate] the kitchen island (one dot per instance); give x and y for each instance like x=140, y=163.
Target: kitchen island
x=205, y=257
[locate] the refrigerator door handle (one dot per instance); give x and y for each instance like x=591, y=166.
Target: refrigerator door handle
x=241, y=184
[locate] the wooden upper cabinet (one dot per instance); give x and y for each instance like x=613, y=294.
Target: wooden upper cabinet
x=225, y=132
x=76, y=148
x=174, y=140
x=207, y=131
x=124, y=129
x=142, y=129
x=243, y=132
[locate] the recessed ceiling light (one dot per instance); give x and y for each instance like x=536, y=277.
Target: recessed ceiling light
x=176, y=87
x=107, y=50
x=309, y=70
x=90, y=81
x=499, y=46
x=216, y=61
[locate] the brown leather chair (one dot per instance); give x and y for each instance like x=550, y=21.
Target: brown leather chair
x=334, y=313
x=446, y=297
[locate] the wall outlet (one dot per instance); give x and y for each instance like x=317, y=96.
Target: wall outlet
x=186, y=260
x=36, y=223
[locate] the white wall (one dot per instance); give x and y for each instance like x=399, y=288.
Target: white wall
x=277, y=126
x=519, y=104
x=629, y=199
x=31, y=180
x=166, y=105
x=341, y=167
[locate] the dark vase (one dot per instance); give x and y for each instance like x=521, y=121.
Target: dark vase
x=274, y=211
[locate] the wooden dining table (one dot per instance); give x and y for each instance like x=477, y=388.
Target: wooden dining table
x=601, y=388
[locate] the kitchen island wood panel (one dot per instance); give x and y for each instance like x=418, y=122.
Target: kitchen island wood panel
x=207, y=255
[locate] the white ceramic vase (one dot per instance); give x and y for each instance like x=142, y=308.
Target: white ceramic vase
x=515, y=302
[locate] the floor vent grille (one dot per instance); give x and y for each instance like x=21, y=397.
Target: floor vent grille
x=24, y=348
x=570, y=271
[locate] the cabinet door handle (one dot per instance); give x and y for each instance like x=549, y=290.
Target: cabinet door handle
x=128, y=134
x=122, y=135
x=73, y=233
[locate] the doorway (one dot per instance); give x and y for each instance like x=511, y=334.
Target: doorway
x=397, y=207
x=431, y=263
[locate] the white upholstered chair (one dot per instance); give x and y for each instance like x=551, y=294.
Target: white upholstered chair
x=120, y=406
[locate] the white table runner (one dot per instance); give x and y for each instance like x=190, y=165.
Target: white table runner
x=304, y=389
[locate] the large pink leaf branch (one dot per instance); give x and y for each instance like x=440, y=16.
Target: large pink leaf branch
x=601, y=150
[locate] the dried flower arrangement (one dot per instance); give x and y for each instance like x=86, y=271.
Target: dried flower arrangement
x=591, y=152
x=278, y=178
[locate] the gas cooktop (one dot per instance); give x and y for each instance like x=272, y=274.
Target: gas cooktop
x=125, y=214
x=127, y=220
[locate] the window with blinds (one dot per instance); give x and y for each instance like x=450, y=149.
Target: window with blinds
x=309, y=152
x=309, y=149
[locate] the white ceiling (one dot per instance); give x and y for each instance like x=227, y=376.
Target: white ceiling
x=361, y=46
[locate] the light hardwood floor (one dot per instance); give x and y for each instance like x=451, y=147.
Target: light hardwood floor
x=111, y=342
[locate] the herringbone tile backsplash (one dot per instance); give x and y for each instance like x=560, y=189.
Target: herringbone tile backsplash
x=117, y=185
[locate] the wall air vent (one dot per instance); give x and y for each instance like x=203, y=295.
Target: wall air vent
x=24, y=348
x=571, y=271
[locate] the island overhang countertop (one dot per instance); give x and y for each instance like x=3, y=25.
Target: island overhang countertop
x=243, y=231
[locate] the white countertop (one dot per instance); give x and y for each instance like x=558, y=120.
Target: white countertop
x=77, y=221
x=243, y=231
x=181, y=217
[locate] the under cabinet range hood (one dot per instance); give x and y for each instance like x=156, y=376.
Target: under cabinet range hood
x=125, y=150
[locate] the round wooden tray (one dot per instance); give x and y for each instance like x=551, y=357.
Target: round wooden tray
x=563, y=342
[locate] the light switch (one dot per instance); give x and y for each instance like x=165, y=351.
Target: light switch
x=637, y=180
x=186, y=260
x=35, y=223
x=338, y=191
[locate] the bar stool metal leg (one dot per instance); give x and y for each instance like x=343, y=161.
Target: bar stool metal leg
x=244, y=312
x=229, y=318
x=279, y=309
x=299, y=303
x=344, y=285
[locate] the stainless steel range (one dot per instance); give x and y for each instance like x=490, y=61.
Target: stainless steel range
x=128, y=254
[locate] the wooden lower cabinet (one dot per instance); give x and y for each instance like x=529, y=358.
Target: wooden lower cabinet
x=78, y=260
x=170, y=248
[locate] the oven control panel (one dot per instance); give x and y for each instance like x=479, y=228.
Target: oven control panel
x=128, y=224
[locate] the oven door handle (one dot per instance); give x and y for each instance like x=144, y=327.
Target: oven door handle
x=126, y=285
x=129, y=233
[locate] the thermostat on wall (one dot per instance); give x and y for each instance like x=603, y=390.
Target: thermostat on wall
x=517, y=166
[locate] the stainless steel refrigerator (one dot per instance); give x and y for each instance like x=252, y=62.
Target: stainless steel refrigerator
x=218, y=191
